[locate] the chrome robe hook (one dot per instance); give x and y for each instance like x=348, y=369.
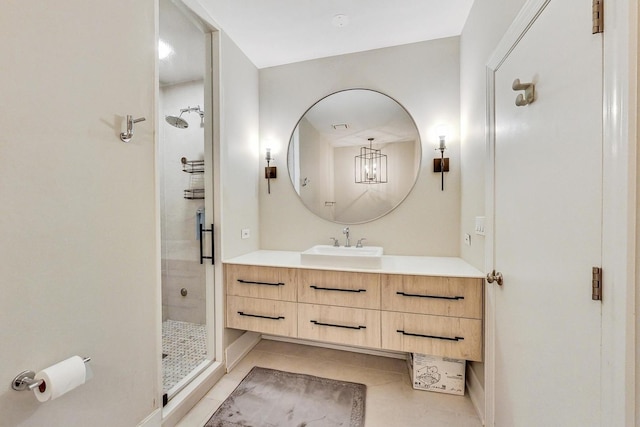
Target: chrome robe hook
x=529, y=92
x=126, y=136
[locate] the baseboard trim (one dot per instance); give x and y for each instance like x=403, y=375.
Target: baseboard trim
x=476, y=393
x=153, y=420
x=187, y=398
x=240, y=347
x=243, y=345
x=383, y=353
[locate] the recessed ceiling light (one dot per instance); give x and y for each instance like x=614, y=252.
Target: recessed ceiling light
x=164, y=50
x=340, y=20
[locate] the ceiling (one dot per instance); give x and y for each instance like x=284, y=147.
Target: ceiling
x=277, y=32
x=365, y=114
x=186, y=60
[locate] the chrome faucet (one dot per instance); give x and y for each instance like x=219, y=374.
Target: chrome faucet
x=346, y=233
x=335, y=242
x=359, y=244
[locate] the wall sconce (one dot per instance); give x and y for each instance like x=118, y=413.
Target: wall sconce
x=270, y=172
x=442, y=164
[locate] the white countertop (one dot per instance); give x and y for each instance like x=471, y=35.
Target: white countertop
x=391, y=264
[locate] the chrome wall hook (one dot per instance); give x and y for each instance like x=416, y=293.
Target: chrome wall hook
x=529, y=92
x=126, y=136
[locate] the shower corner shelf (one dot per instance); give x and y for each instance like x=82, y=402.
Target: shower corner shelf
x=194, y=193
x=192, y=166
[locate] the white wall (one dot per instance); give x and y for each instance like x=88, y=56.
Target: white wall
x=181, y=266
x=238, y=156
x=637, y=267
x=477, y=42
x=424, y=78
x=78, y=227
x=239, y=149
x=316, y=162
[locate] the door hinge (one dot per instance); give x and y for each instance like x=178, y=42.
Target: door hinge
x=596, y=284
x=598, y=16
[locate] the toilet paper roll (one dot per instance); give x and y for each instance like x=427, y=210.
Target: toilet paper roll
x=60, y=378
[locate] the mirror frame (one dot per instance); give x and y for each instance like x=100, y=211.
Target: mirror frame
x=417, y=173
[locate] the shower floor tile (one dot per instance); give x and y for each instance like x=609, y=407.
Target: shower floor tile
x=185, y=345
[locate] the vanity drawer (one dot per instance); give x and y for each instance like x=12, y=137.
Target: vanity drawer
x=262, y=315
x=352, y=326
x=452, y=337
x=361, y=290
x=445, y=296
x=261, y=282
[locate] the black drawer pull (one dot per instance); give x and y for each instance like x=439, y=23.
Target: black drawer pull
x=315, y=322
x=261, y=317
x=430, y=336
x=249, y=282
x=318, y=288
x=404, y=294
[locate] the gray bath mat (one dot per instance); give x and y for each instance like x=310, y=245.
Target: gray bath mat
x=269, y=398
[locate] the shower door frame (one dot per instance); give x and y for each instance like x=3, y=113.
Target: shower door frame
x=212, y=369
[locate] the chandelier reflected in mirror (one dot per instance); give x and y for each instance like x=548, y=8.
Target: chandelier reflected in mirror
x=370, y=165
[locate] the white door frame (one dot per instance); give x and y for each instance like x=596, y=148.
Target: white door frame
x=620, y=122
x=215, y=309
x=183, y=402
x=618, y=376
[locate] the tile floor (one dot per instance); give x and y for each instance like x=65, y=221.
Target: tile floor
x=391, y=401
x=185, y=345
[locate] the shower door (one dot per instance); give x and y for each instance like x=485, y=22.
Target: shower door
x=186, y=208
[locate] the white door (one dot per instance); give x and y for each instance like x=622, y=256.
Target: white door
x=547, y=205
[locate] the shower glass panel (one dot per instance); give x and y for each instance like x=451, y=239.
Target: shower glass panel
x=181, y=164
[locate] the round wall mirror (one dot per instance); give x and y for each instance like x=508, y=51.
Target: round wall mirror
x=354, y=156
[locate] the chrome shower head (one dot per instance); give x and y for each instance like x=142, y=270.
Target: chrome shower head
x=181, y=123
x=177, y=122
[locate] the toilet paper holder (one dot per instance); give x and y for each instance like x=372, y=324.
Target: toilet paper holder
x=25, y=380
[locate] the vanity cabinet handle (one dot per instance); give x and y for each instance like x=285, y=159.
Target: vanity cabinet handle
x=260, y=316
x=315, y=322
x=430, y=336
x=404, y=294
x=260, y=283
x=318, y=288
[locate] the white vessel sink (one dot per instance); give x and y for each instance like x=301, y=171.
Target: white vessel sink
x=351, y=257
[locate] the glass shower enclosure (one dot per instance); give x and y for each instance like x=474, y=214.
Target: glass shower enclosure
x=182, y=188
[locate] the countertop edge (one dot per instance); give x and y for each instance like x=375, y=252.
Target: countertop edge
x=391, y=264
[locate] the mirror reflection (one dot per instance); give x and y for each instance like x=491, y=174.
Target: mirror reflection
x=354, y=156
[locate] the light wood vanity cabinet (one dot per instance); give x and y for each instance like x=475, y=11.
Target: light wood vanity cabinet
x=454, y=337
x=434, y=315
x=262, y=315
x=261, y=282
x=343, y=325
x=346, y=289
x=262, y=299
x=442, y=296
